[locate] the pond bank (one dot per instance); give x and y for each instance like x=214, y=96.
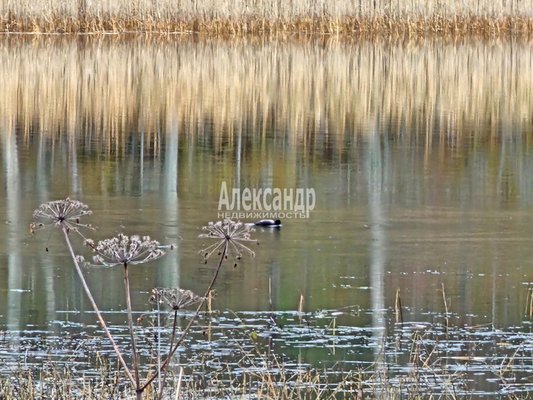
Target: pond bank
x=269, y=17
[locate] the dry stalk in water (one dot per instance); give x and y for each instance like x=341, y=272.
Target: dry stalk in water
x=301, y=307
x=529, y=303
x=398, y=308
x=446, y=312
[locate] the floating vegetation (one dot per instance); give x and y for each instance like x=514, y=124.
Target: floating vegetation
x=262, y=354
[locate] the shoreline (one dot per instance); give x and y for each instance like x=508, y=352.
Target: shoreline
x=381, y=26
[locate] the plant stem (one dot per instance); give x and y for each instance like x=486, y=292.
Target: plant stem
x=194, y=317
x=446, y=313
x=398, y=307
x=95, y=307
x=171, y=345
x=179, y=383
x=132, y=333
x=160, y=389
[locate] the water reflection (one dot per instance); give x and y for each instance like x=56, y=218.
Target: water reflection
x=420, y=154
x=377, y=166
x=13, y=280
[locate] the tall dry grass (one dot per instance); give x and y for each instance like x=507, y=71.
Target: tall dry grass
x=270, y=16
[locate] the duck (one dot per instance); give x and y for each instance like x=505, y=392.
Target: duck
x=268, y=223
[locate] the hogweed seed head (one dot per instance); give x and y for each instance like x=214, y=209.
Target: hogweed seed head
x=229, y=235
x=175, y=298
x=62, y=214
x=127, y=250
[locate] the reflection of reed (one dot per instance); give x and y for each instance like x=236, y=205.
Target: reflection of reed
x=103, y=88
x=267, y=16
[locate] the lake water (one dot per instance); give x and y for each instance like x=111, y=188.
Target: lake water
x=420, y=154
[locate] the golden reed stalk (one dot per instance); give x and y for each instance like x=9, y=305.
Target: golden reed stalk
x=240, y=17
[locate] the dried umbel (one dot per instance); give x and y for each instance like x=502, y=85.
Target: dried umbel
x=65, y=213
x=230, y=237
x=175, y=298
x=127, y=250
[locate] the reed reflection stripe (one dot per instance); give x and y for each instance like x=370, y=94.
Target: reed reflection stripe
x=105, y=87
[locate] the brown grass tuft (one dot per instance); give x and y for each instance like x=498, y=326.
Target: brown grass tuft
x=238, y=17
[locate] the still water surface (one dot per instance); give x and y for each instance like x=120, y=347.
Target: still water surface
x=420, y=153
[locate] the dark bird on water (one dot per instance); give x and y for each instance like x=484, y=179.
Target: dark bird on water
x=269, y=223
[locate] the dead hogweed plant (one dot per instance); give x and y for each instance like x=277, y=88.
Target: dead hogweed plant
x=231, y=239
x=123, y=250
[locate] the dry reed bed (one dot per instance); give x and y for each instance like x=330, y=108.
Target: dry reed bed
x=107, y=87
x=471, y=25
x=414, y=17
